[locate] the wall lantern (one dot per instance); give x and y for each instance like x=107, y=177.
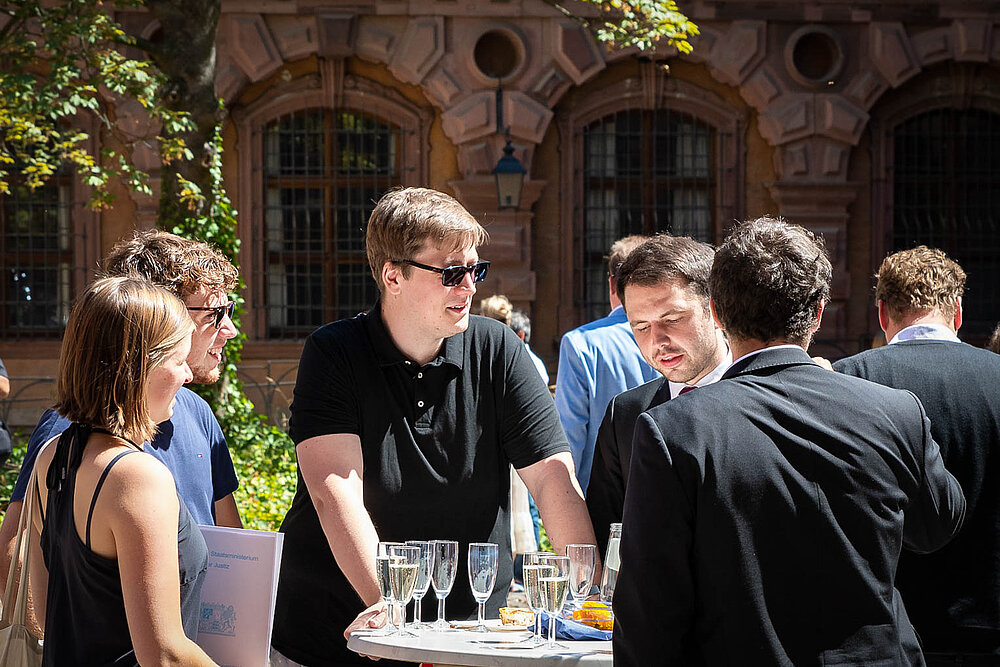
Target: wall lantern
x=509, y=172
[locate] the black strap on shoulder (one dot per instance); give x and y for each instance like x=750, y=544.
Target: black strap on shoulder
x=38, y=501
x=100, y=483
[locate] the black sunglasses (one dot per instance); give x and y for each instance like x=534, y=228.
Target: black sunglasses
x=220, y=312
x=453, y=275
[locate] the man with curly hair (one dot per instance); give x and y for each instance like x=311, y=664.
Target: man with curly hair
x=190, y=443
x=953, y=595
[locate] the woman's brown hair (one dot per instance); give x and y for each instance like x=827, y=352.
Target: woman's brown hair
x=119, y=330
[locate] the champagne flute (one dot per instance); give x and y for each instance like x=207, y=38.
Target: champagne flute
x=443, y=569
x=553, y=588
x=403, y=568
x=423, y=578
x=483, y=560
x=582, y=561
x=382, y=561
x=532, y=569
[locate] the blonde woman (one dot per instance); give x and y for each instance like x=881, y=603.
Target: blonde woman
x=117, y=580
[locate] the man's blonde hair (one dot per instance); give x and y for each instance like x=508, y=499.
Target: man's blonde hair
x=620, y=250
x=181, y=265
x=119, y=331
x=497, y=307
x=920, y=279
x=405, y=219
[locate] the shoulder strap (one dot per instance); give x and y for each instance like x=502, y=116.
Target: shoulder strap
x=100, y=483
x=38, y=502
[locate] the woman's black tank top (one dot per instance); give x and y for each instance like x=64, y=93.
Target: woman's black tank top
x=85, y=620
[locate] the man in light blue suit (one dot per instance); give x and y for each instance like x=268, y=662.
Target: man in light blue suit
x=598, y=361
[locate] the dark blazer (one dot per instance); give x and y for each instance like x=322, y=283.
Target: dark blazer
x=953, y=595
x=612, y=453
x=764, y=516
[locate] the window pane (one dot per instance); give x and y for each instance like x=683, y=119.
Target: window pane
x=644, y=172
x=295, y=219
x=315, y=216
x=35, y=240
x=294, y=145
x=945, y=194
x=366, y=145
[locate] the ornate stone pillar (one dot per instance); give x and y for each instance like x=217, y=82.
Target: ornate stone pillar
x=825, y=209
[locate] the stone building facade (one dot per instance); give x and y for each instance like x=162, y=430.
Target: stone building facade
x=876, y=125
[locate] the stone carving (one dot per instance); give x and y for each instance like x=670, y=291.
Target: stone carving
x=839, y=119
x=744, y=47
x=420, y=48
x=933, y=46
x=972, y=40
x=891, y=52
x=575, y=51
x=377, y=38
x=295, y=35
x=251, y=46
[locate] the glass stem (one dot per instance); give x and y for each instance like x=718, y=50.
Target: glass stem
x=402, y=618
x=482, y=614
x=441, y=610
x=416, y=610
x=552, y=630
x=538, y=624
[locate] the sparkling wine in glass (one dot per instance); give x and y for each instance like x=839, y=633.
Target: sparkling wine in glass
x=423, y=578
x=483, y=560
x=553, y=587
x=403, y=568
x=582, y=561
x=382, y=561
x=532, y=570
x=443, y=569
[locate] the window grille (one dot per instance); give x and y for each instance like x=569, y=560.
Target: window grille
x=36, y=247
x=946, y=193
x=323, y=172
x=644, y=172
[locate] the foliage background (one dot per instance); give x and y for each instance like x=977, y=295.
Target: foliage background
x=263, y=454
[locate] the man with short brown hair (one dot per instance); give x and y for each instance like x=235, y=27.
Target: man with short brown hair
x=953, y=595
x=663, y=286
x=406, y=419
x=597, y=361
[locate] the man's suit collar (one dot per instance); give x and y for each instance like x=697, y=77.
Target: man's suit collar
x=769, y=358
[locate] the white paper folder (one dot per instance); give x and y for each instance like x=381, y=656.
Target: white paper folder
x=237, y=598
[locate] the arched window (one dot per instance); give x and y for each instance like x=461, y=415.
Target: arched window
x=645, y=171
x=946, y=194
x=648, y=155
x=323, y=172
x=319, y=154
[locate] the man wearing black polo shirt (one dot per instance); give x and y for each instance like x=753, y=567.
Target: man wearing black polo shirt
x=406, y=419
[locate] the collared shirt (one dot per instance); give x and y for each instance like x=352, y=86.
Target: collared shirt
x=436, y=441
x=714, y=376
x=597, y=361
x=928, y=331
x=539, y=365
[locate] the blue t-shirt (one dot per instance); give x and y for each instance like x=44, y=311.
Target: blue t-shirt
x=190, y=444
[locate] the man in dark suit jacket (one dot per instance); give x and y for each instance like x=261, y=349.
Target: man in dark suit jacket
x=765, y=513
x=663, y=286
x=953, y=595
